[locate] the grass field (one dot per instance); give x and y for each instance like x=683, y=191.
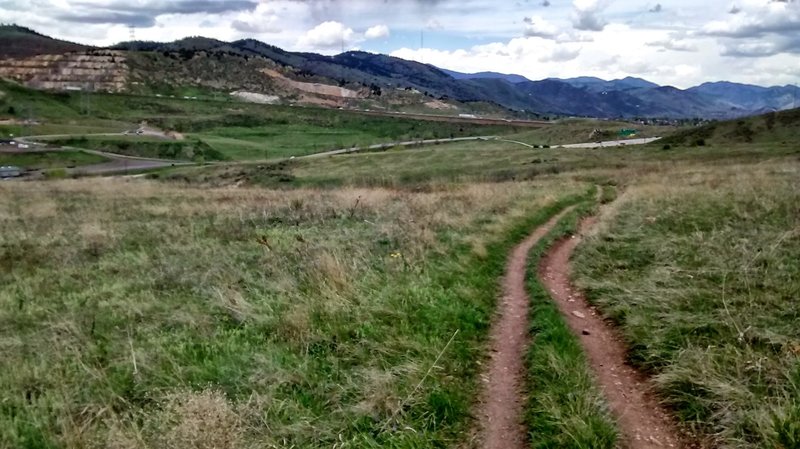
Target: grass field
x=482, y=161
x=345, y=301
x=700, y=269
x=220, y=130
x=50, y=159
x=138, y=314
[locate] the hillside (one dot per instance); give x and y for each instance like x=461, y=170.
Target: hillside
x=771, y=128
x=249, y=69
x=20, y=42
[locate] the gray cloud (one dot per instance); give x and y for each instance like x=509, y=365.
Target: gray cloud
x=586, y=15
x=734, y=10
x=761, y=49
x=144, y=14
x=657, y=8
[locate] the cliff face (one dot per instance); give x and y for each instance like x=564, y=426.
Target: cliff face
x=94, y=70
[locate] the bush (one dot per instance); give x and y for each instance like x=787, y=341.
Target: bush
x=700, y=142
x=12, y=110
x=667, y=147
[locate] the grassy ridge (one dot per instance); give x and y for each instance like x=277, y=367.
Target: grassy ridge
x=700, y=269
x=775, y=127
x=565, y=408
x=180, y=317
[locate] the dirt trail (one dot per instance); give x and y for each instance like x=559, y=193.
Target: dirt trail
x=503, y=397
x=642, y=421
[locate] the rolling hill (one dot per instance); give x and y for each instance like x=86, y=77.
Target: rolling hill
x=771, y=128
x=364, y=80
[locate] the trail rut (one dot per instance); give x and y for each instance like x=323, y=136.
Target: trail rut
x=503, y=395
x=643, y=422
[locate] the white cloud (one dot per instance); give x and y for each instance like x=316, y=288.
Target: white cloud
x=674, y=44
x=774, y=17
x=327, y=36
x=377, y=32
x=538, y=27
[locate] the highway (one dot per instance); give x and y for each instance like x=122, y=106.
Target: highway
x=610, y=143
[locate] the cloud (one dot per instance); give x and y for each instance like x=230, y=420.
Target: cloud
x=263, y=20
x=538, y=27
x=586, y=15
x=546, y=3
x=734, y=10
x=673, y=44
x=761, y=49
x=776, y=18
x=657, y=8
x=327, y=36
x=377, y=32
x=561, y=54
x=144, y=13
x=433, y=24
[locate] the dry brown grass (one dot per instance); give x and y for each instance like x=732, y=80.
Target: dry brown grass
x=256, y=318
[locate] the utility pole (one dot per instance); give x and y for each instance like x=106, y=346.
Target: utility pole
x=421, y=45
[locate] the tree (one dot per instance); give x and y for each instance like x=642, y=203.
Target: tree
x=12, y=110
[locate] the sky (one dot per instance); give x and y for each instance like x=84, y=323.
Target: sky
x=673, y=42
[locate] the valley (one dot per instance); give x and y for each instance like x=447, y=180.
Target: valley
x=357, y=251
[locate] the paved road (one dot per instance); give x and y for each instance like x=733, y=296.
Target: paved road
x=386, y=146
x=124, y=164
x=610, y=143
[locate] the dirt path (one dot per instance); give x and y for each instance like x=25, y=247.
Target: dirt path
x=642, y=421
x=503, y=397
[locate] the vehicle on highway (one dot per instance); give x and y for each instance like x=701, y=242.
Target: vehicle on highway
x=10, y=171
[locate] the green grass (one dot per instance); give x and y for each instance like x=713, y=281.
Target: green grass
x=482, y=161
x=139, y=314
x=188, y=149
x=700, y=268
x=50, y=159
x=232, y=130
x=565, y=408
x=79, y=127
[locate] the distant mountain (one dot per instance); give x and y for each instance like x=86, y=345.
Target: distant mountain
x=360, y=79
x=486, y=75
x=20, y=42
x=599, y=85
x=753, y=98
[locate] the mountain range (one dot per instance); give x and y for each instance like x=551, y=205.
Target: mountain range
x=366, y=78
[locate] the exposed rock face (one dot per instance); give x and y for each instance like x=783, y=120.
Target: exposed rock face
x=96, y=71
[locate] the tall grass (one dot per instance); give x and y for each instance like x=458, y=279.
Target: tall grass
x=701, y=270
x=136, y=314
